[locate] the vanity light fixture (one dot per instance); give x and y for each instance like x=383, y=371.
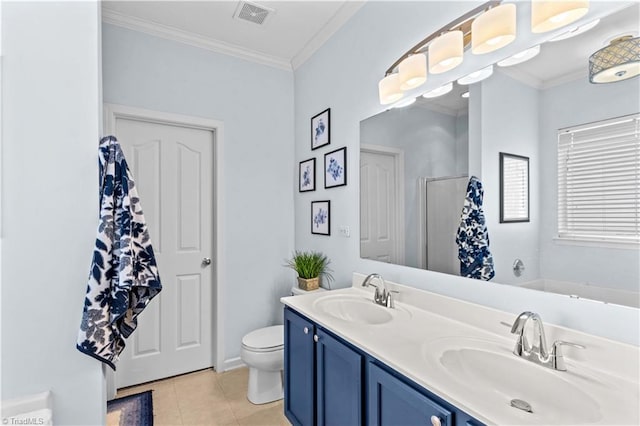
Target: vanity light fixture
x=389, y=89
x=521, y=57
x=476, y=76
x=412, y=71
x=403, y=103
x=445, y=48
x=493, y=29
x=445, y=52
x=576, y=31
x=550, y=15
x=620, y=60
x=465, y=95
x=442, y=90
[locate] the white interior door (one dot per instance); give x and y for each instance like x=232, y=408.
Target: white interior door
x=173, y=171
x=381, y=204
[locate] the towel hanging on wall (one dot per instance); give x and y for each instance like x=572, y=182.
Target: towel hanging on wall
x=472, y=237
x=124, y=276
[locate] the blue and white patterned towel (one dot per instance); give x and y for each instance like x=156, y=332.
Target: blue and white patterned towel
x=472, y=238
x=124, y=276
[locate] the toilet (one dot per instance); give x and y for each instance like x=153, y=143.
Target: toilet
x=263, y=352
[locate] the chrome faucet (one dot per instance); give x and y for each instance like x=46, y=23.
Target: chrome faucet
x=382, y=296
x=537, y=351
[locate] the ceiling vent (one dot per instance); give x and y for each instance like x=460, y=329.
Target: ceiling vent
x=252, y=12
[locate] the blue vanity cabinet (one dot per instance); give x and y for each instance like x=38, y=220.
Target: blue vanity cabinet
x=328, y=381
x=339, y=372
x=299, y=369
x=391, y=401
x=323, y=376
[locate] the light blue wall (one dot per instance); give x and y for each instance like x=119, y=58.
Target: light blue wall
x=571, y=104
x=50, y=128
x=343, y=75
x=255, y=102
x=509, y=123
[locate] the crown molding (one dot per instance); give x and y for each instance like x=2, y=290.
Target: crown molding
x=344, y=13
x=192, y=39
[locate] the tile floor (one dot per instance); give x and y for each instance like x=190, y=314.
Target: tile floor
x=208, y=398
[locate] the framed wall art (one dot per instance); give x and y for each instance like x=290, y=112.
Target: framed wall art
x=514, y=188
x=321, y=129
x=321, y=217
x=307, y=175
x=335, y=168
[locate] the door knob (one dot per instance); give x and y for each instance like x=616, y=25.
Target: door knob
x=206, y=261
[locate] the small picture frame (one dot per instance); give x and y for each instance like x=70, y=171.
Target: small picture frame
x=307, y=175
x=321, y=217
x=514, y=188
x=335, y=168
x=321, y=129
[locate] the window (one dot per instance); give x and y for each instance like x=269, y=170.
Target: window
x=599, y=181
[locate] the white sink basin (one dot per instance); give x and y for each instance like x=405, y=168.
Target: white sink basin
x=489, y=371
x=357, y=309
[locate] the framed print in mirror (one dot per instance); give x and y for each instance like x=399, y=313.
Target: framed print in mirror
x=514, y=188
x=307, y=175
x=320, y=217
x=335, y=168
x=320, y=129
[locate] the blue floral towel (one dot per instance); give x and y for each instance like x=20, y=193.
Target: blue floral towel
x=472, y=237
x=124, y=276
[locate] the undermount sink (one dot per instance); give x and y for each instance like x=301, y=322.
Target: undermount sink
x=493, y=373
x=357, y=309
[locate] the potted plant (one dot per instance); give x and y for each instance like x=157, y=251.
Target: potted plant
x=310, y=266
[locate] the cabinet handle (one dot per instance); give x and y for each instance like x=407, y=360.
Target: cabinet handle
x=435, y=421
x=315, y=338
x=306, y=330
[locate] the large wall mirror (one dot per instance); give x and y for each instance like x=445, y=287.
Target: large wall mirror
x=416, y=161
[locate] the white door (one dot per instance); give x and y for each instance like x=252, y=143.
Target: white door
x=173, y=171
x=381, y=235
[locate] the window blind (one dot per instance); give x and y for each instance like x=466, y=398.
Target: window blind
x=599, y=181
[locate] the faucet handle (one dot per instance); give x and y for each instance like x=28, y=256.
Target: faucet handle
x=557, y=358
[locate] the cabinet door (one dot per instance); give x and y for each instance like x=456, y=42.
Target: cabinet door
x=299, y=391
x=340, y=382
x=391, y=401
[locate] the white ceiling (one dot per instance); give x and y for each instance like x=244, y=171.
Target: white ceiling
x=288, y=37
x=566, y=60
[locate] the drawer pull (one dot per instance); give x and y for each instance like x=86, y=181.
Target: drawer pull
x=315, y=338
x=435, y=421
x=306, y=330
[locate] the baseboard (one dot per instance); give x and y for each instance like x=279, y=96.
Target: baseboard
x=231, y=364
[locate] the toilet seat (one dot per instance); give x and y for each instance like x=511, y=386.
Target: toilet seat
x=268, y=339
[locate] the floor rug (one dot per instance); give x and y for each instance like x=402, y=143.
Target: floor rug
x=132, y=410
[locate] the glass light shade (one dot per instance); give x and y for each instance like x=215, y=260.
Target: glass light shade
x=493, y=29
x=389, y=89
x=412, y=71
x=616, y=62
x=445, y=52
x=476, y=76
x=575, y=31
x=521, y=57
x=442, y=90
x=404, y=102
x=549, y=15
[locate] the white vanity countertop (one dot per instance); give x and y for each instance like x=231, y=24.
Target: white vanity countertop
x=601, y=384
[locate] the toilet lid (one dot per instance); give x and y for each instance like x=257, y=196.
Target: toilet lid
x=264, y=338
